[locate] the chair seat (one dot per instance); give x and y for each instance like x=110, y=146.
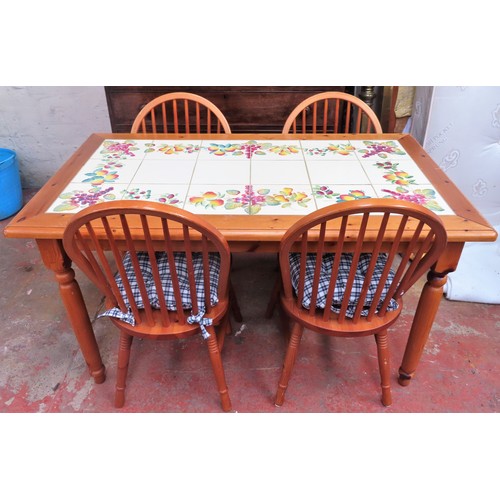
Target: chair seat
x=176, y=328
x=145, y=268
x=345, y=266
x=348, y=328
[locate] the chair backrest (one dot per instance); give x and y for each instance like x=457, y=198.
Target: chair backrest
x=99, y=237
x=408, y=236
x=332, y=113
x=180, y=112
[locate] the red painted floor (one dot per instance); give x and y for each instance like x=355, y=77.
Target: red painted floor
x=43, y=371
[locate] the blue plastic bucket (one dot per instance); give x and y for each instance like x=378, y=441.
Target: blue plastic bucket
x=11, y=195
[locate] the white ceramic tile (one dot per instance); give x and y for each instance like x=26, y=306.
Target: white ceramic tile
x=385, y=150
x=337, y=172
x=289, y=199
x=121, y=150
x=221, y=199
x=277, y=150
x=226, y=172
x=330, y=194
x=77, y=196
x=169, y=194
x=279, y=172
x=219, y=150
x=98, y=172
x=328, y=150
x=165, y=171
x=422, y=195
x=173, y=150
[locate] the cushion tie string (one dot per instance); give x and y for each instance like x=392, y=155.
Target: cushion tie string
x=198, y=318
x=116, y=312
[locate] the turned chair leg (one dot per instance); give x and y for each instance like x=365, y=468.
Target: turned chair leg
x=121, y=375
x=290, y=357
x=234, y=304
x=384, y=366
x=275, y=294
x=215, y=358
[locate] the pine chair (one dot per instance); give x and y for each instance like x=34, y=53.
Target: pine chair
x=333, y=284
x=180, y=112
x=172, y=278
x=332, y=113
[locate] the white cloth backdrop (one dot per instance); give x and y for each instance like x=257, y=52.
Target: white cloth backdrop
x=460, y=128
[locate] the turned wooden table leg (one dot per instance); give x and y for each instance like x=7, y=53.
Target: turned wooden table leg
x=421, y=327
x=428, y=305
x=56, y=260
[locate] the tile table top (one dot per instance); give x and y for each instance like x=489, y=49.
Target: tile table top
x=248, y=177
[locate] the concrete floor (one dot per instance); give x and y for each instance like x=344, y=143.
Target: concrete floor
x=42, y=369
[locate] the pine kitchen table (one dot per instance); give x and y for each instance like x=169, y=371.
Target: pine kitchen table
x=252, y=187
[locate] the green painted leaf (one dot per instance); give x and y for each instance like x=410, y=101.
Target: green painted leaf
x=252, y=209
x=65, y=207
x=433, y=205
x=426, y=192
x=263, y=191
x=65, y=196
x=271, y=201
x=231, y=206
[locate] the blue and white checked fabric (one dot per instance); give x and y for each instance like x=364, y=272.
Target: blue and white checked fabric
x=341, y=283
x=166, y=281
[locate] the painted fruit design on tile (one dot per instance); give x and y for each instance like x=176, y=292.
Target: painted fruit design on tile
x=250, y=148
x=208, y=199
x=118, y=150
x=322, y=192
x=341, y=149
x=172, y=149
x=145, y=194
x=104, y=173
x=281, y=150
x=78, y=199
x=249, y=200
x=425, y=197
x=394, y=174
x=381, y=149
x=284, y=198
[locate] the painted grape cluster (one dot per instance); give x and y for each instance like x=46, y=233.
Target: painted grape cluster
x=80, y=199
